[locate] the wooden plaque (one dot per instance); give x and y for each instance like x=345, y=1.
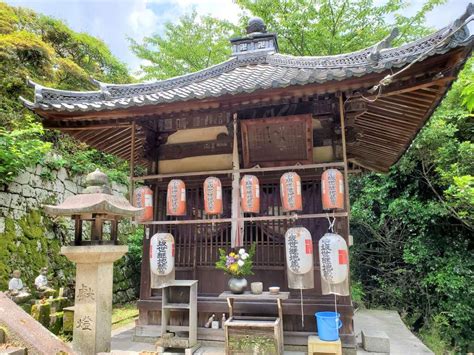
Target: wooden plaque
x=277, y=141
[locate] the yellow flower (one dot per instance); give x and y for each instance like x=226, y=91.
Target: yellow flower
x=236, y=257
x=232, y=254
x=234, y=268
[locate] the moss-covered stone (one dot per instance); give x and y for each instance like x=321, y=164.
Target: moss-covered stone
x=56, y=322
x=68, y=319
x=26, y=307
x=41, y=312
x=58, y=303
x=23, y=246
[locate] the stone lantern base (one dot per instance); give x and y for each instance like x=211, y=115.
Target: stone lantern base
x=93, y=299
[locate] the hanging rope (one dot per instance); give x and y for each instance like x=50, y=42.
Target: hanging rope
x=331, y=223
x=302, y=313
x=335, y=310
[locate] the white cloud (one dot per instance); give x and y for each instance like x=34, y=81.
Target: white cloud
x=142, y=20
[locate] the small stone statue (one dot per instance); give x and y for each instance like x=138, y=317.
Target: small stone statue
x=41, y=281
x=41, y=284
x=16, y=290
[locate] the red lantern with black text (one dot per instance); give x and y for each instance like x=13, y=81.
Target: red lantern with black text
x=213, y=196
x=332, y=189
x=290, y=192
x=143, y=198
x=250, y=194
x=176, y=198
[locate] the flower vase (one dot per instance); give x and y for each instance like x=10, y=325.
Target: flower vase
x=237, y=285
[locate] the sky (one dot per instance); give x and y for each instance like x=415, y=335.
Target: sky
x=114, y=21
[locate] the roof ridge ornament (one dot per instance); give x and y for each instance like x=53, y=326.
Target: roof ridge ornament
x=257, y=41
x=374, y=55
x=103, y=88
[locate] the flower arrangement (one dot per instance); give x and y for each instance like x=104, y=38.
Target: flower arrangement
x=236, y=264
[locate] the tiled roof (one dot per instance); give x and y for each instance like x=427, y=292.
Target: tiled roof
x=255, y=70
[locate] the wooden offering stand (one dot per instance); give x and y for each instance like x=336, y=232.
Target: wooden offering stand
x=179, y=295
x=265, y=331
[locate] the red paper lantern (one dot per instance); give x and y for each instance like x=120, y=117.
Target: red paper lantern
x=332, y=189
x=290, y=192
x=213, y=196
x=176, y=198
x=143, y=198
x=250, y=194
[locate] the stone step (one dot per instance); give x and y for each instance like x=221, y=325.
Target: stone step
x=375, y=341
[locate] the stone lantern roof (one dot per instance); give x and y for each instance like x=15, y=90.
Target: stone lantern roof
x=97, y=198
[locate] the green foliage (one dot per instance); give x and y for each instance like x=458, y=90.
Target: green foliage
x=47, y=51
x=412, y=229
x=191, y=45
x=20, y=149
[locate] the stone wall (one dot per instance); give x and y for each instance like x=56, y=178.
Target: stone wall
x=29, y=239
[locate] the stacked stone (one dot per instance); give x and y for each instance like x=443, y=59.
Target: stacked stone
x=30, y=240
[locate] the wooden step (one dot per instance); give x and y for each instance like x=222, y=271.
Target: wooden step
x=176, y=306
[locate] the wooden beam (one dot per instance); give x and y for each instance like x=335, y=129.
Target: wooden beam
x=183, y=150
x=249, y=170
x=87, y=128
x=245, y=219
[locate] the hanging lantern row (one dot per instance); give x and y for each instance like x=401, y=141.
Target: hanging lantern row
x=333, y=254
x=332, y=195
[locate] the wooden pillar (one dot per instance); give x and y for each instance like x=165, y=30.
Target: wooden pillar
x=77, y=230
x=344, y=155
x=96, y=228
x=132, y=162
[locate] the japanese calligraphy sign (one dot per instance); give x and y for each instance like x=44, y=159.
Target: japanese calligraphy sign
x=85, y=293
x=290, y=192
x=162, y=254
x=250, y=194
x=213, y=196
x=332, y=189
x=299, y=250
x=333, y=257
x=176, y=198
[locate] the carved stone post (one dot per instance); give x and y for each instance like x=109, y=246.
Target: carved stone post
x=93, y=300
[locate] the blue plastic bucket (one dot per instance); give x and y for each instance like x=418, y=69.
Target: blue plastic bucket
x=328, y=325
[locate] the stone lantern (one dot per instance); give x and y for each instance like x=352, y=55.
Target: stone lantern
x=94, y=259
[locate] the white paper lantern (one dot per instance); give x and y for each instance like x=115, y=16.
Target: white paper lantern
x=162, y=254
x=334, y=258
x=299, y=250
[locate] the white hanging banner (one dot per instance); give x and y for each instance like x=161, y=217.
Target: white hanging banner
x=162, y=254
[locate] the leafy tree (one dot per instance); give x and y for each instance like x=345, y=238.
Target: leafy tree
x=192, y=44
x=324, y=27
x=47, y=51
